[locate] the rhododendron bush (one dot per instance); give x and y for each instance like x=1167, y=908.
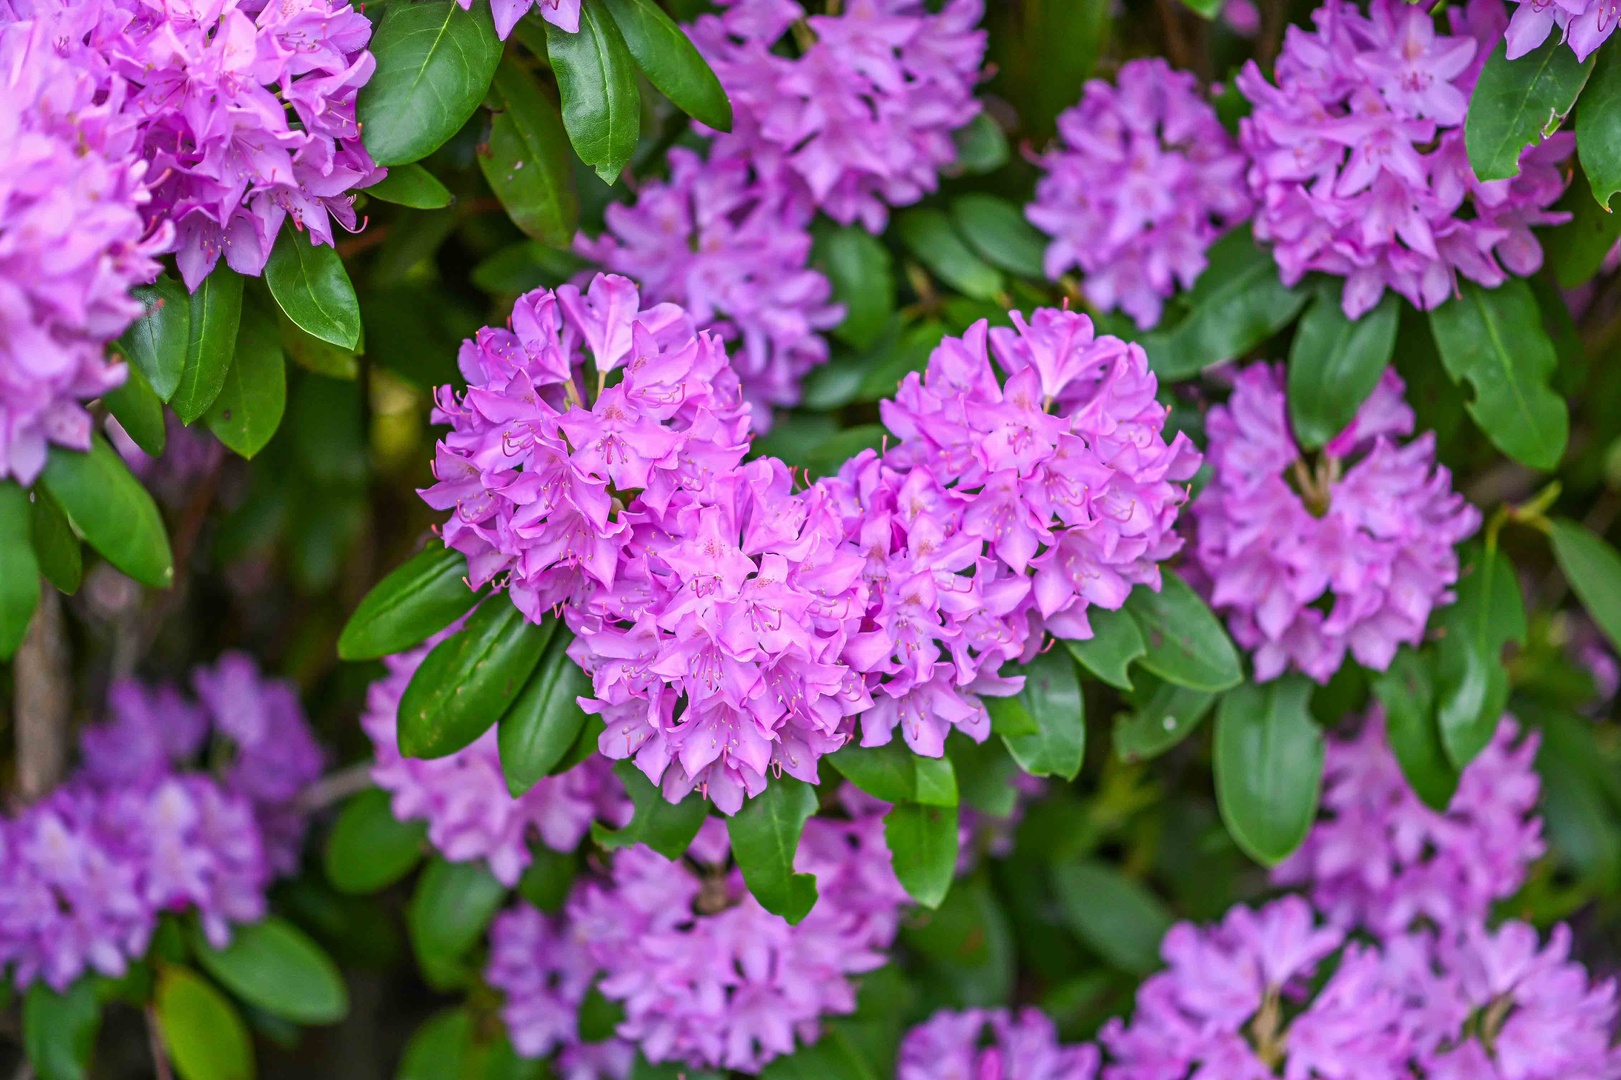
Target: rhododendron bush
x=854, y=539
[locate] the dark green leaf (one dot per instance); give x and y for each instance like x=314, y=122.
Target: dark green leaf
x=437, y=1048
x=368, y=848
x=671, y=62
x=1518, y=103
x=309, y=282
x=527, y=160
x=832, y=1057
x=1010, y=716
x=1165, y=715
x=1471, y=686
x=55, y=546
x=596, y=77
x=828, y=456
x=909, y=353
x=1114, y=644
x=156, y=343
x=997, y=230
x=1494, y=339
x=1269, y=766
x=59, y=1029
x=411, y=185
x=859, y=266
x=598, y=1017
x=1335, y=363
x=539, y=729
x=982, y=145
x=452, y=905
x=923, y=844
x=587, y=743
x=418, y=599
x=1577, y=249
x=1120, y=919
x=1206, y=9
x=887, y=772
x=216, y=314
x=1407, y=690
x=548, y=878
x=249, y=407
x=929, y=234
x=1593, y=569
x=1579, y=814
x=525, y=265
x=139, y=411
x=201, y=1030
x=1052, y=697
x=936, y=781
x=1183, y=642
x=321, y=357
x=274, y=966
x=666, y=827
x=434, y=63
x=1598, y=125
x=765, y=837
x=19, y=570
x=109, y=508
x=1045, y=53
x=469, y=679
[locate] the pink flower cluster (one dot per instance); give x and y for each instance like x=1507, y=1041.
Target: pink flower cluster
x=858, y=114
x=563, y=14
x=734, y=250
x=1358, y=160
x=72, y=242
x=953, y=1045
x=1353, y=552
x=464, y=797
x=1583, y=24
x=1142, y=181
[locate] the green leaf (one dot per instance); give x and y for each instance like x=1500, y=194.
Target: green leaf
x=55, y=546
x=411, y=185
x=832, y=1057
x=1593, y=569
x=1183, y=641
x=1518, y=103
x=982, y=145
x=1114, y=644
x=415, y=601
x=666, y=827
x=540, y=728
x=437, y=1048
x=434, y=63
x=829, y=455
x=1269, y=766
x=596, y=77
x=1471, y=685
x=598, y=1017
x=527, y=160
x=59, y=1029
x=1115, y=915
x=1335, y=363
x=1577, y=249
x=250, y=404
x=1407, y=690
x=930, y=236
x=586, y=744
x=447, y=915
x=313, y=354
x=1237, y=303
x=765, y=837
x=859, y=266
x=309, y=282
x=1205, y=9
x=671, y=62
x=1598, y=125
x=156, y=342
x=109, y=508
x=887, y=772
x=139, y=411
x=467, y=682
x=203, y=1033
x=936, y=782
x=369, y=849
x=216, y=314
x=1578, y=811
x=996, y=229
x=1495, y=340
x=1165, y=715
x=1052, y=697
x=923, y=844
x=19, y=570
x=274, y=966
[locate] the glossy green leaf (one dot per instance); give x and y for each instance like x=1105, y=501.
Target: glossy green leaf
x=156, y=342
x=765, y=837
x=274, y=966
x=1010, y=716
x=596, y=77
x=1114, y=644
x=1407, y=691
x=832, y=1057
x=448, y=913
x=1518, y=103
x=923, y=843
x=469, y=680
x=671, y=62
x=997, y=230
x=201, y=1030
x=216, y=314
x=55, y=546
x=411, y=185
x=982, y=145
x=1334, y=363
x=539, y=729
x=929, y=235
x=434, y=63
x=1471, y=685
x=437, y=1048
x=416, y=600
x=309, y=282
x=1598, y=125
x=1164, y=715
x=1183, y=642
x=368, y=848
x=1205, y=9
x=1593, y=569
x=250, y=404
x=59, y=1029
x=936, y=782
x=547, y=880
x=1494, y=340
x=887, y=772
x=1269, y=766
x=859, y=266
x=1577, y=249
x=1052, y=697
x=527, y=160
x=313, y=354
x=1115, y=915
x=19, y=569
x=139, y=411
x=666, y=827
x=111, y=510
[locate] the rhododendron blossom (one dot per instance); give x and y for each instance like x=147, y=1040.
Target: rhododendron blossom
x=952, y=1045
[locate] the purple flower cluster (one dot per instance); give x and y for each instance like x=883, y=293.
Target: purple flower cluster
x=86, y=872
x=858, y=115
x=464, y=797
x=72, y=242
x=1583, y=24
x=954, y=1045
x=564, y=14
x=1358, y=160
x=733, y=249
x=1380, y=860
x=245, y=113
x=1143, y=180
x=1351, y=552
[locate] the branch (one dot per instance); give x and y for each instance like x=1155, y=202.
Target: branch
x=44, y=699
